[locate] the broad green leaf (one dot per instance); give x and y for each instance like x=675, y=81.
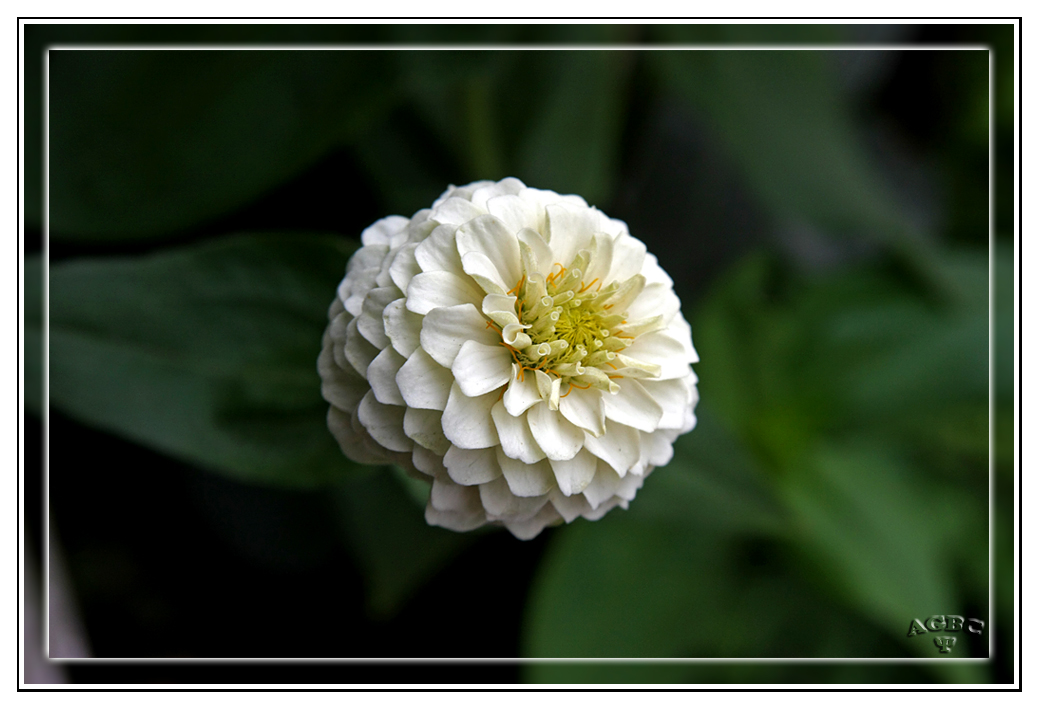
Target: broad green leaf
x=879, y=535
x=573, y=144
x=783, y=119
x=207, y=353
x=713, y=482
x=623, y=588
x=146, y=143
x=397, y=551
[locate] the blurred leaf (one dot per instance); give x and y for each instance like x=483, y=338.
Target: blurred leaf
x=396, y=549
x=622, y=588
x=711, y=480
x=207, y=353
x=144, y=143
x=786, y=123
x=879, y=534
x=787, y=360
x=574, y=142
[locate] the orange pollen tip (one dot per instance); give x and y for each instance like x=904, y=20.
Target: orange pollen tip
x=585, y=288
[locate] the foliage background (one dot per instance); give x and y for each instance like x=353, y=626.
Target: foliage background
x=824, y=215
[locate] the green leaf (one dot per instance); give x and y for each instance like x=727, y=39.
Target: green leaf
x=573, y=144
x=397, y=551
x=623, y=588
x=146, y=143
x=713, y=481
x=207, y=353
x=783, y=119
x=878, y=534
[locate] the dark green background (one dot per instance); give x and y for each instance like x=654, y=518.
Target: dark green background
x=823, y=213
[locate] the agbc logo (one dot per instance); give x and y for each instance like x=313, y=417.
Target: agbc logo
x=948, y=622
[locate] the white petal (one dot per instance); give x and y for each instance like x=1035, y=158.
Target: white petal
x=368, y=448
x=382, y=373
x=423, y=426
x=660, y=349
x=370, y=322
x=437, y=289
x=569, y=507
x=526, y=479
x=674, y=396
x=500, y=308
x=601, y=252
x=629, y=253
x=515, y=436
x=467, y=420
x=447, y=495
x=603, y=486
x=455, y=210
x=404, y=267
x=557, y=437
x=487, y=235
x=654, y=300
x=459, y=521
x=402, y=327
x=619, y=447
x=501, y=504
x=342, y=388
x=515, y=213
x=471, y=467
x=658, y=447
x=350, y=441
x=429, y=462
x=654, y=273
x=507, y=186
x=337, y=330
x=480, y=268
x=444, y=330
x=520, y=396
x=633, y=406
x=529, y=529
x=574, y=476
x=423, y=383
x=438, y=253
x=360, y=353
x=540, y=249
x=385, y=423
x=570, y=230
x=628, y=487
x=606, y=507
x=480, y=368
x=383, y=231
x=584, y=408
x=679, y=329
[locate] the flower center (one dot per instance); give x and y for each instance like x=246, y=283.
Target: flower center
x=570, y=329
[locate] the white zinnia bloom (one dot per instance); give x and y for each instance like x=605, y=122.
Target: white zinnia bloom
x=515, y=347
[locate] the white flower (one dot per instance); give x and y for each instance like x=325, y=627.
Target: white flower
x=517, y=347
